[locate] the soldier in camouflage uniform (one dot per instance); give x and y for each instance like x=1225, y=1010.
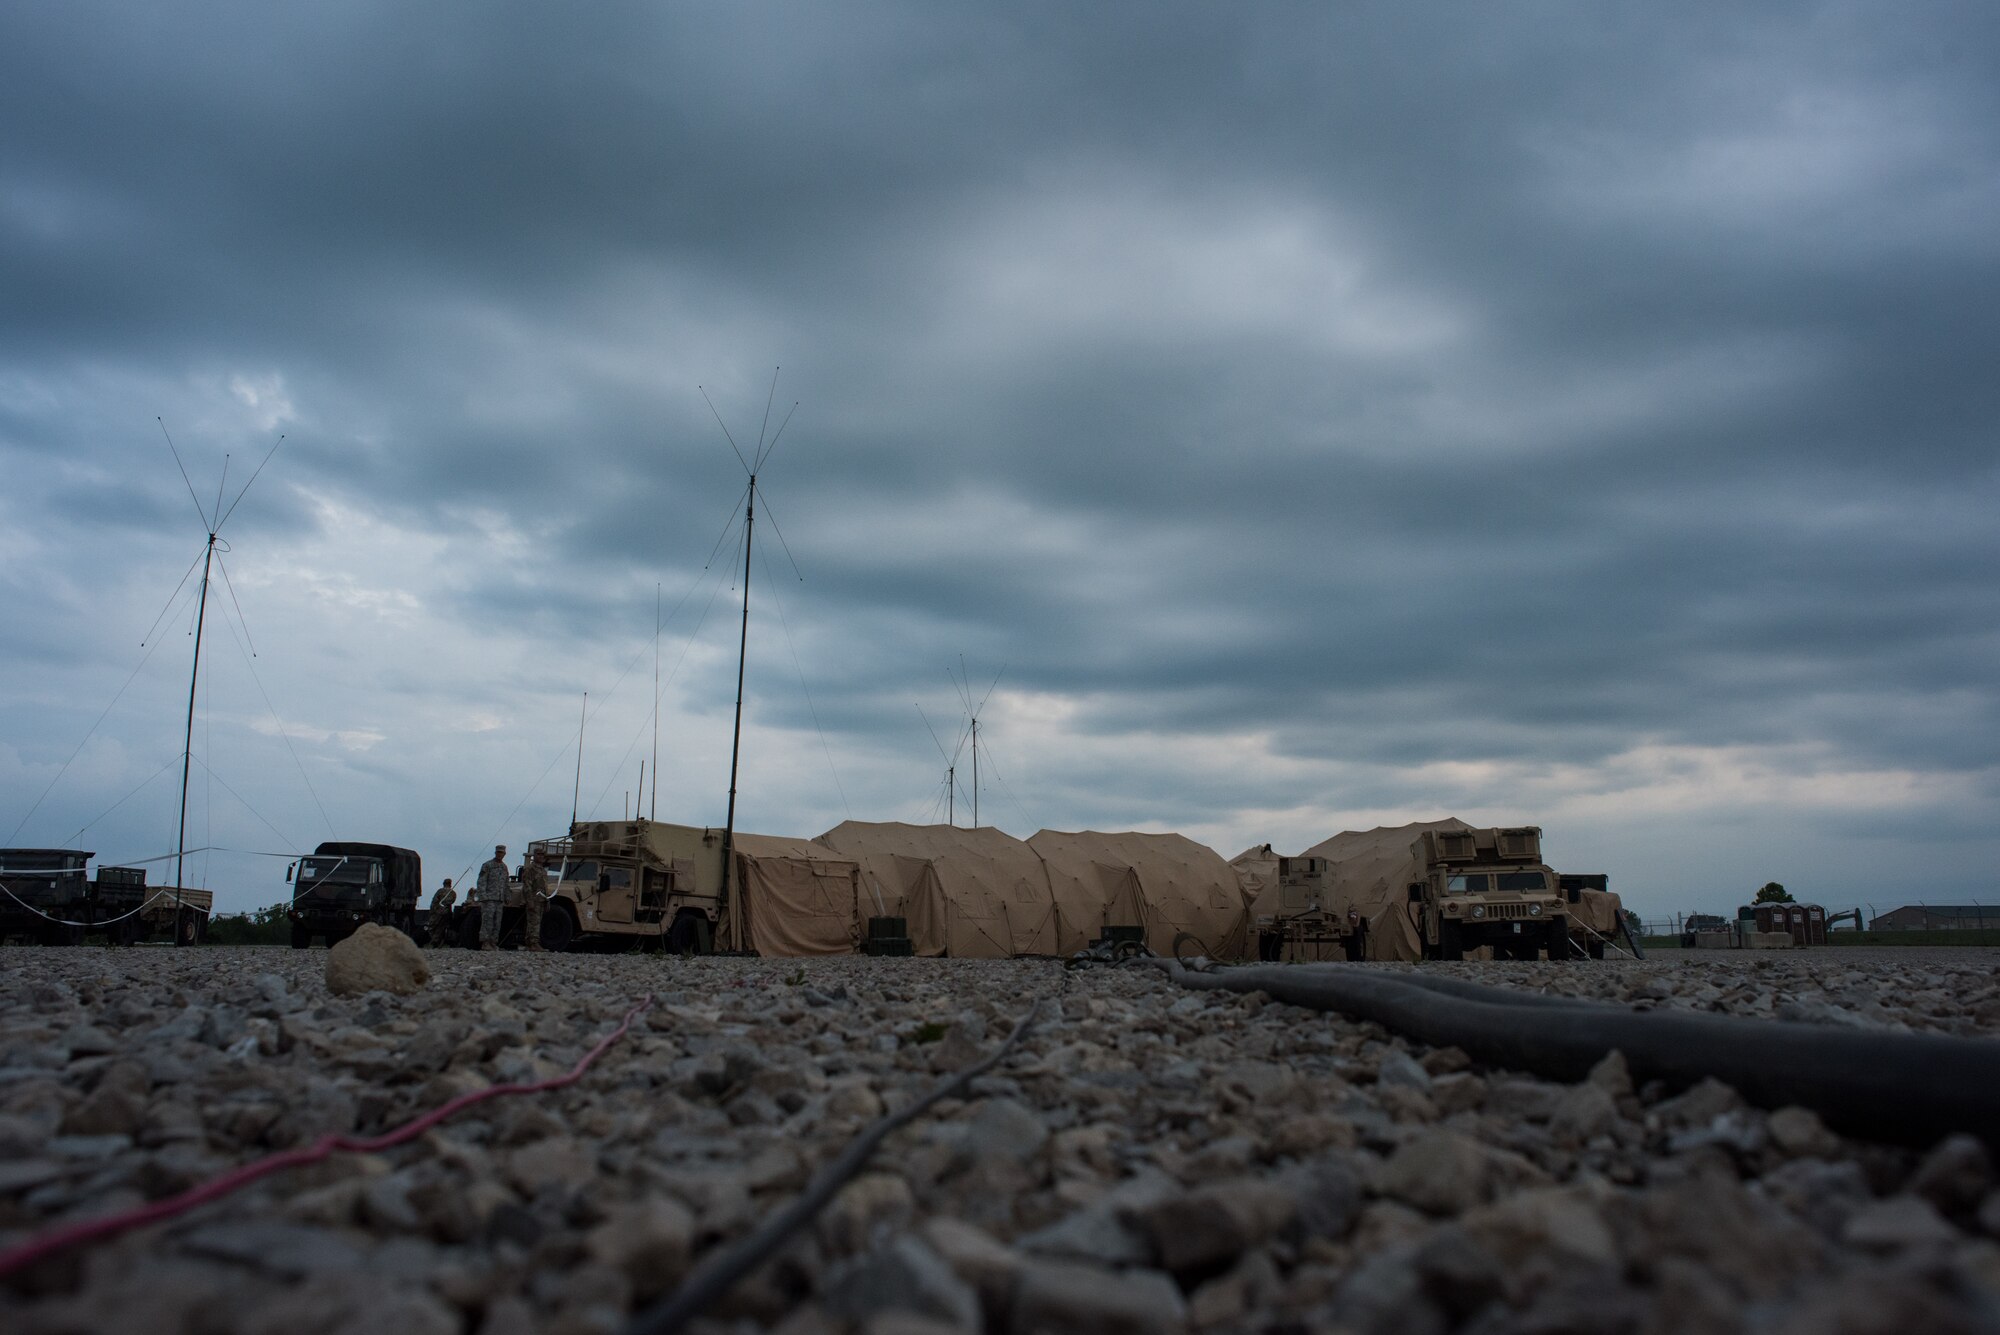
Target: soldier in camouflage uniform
x=534, y=898
x=441, y=906
x=490, y=891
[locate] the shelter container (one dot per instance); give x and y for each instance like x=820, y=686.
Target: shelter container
x=795, y=897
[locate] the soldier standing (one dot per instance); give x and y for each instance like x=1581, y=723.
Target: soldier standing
x=491, y=893
x=535, y=898
x=441, y=906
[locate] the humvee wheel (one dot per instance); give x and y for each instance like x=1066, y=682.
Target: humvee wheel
x=302, y=936
x=1449, y=947
x=558, y=929
x=684, y=937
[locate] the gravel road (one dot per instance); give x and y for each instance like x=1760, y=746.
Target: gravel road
x=1149, y=1160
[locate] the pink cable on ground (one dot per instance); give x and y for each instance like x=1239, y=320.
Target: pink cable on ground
x=76, y=1235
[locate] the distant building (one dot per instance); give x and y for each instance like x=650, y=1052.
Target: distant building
x=1937, y=917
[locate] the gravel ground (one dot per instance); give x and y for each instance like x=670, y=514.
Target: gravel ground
x=1150, y=1159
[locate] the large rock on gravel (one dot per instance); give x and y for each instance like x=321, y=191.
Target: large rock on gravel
x=376, y=959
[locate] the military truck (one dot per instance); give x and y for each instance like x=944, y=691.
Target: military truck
x=618, y=885
x=344, y=884
x=1307, y=924
x=47, y=895
x=1487, y=888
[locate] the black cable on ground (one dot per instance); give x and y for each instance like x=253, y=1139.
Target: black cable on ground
x=1901, y=1087
x=720, y=1269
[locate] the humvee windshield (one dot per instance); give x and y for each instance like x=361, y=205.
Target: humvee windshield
x=586, y=873
x=336, y=871
x=1528, y=882
x=1467, y=884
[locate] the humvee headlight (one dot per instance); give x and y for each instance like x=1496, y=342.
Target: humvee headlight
x=1478, y=910
x=1534, y=910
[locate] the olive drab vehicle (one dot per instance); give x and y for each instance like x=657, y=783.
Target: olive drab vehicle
x=47, y=895
x=624, y=883
x=1488, y=888
x=342, y=884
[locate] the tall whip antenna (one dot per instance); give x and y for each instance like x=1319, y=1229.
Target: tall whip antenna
x=758, y=458
x=214, y=529
x=653, y=813
x=577, y=792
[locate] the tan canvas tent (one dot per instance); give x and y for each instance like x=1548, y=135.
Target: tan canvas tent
x=1371, y=872
x=795, y=897
x=967, y=893
x=1166, y=883
x=1257, y=872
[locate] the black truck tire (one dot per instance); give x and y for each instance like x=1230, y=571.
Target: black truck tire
x=302, y=936
x=558, y=927
x=1450, y=946
x=686, y=935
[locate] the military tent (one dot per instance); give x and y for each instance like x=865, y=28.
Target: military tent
x=967, y=893
x=795, y=897
x=1371, y=873
x=1257, y=872
x=1166, y=883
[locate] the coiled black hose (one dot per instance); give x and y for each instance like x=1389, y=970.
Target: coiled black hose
x=1905, y=1088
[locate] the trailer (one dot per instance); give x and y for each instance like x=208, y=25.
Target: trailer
x=48, y=897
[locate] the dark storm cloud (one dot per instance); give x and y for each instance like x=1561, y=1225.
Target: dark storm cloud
x=1403, y=386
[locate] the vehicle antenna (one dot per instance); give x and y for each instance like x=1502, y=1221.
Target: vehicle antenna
x=653, y=813
x=577, y=791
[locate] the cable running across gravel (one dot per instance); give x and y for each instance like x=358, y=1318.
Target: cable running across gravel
x=722, y=1268
x=1894, y=1087
x=96, y=1230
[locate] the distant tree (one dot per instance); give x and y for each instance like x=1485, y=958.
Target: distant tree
x=1773, y=893
x=267, y=926
x=1634, y=924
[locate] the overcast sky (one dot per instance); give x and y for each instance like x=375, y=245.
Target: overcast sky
x=1315, y=417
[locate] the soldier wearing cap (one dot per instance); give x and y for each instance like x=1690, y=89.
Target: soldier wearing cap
x=441, y=906
x=490, y=892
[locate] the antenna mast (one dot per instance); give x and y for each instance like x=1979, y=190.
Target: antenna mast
x=750, y=466
x=742, y=657
x=577, y=791
x=654, y=812
x=214, y=528
x=187, y=742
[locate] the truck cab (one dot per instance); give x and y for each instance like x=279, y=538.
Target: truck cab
x=341, y=885
x=1488, y=888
